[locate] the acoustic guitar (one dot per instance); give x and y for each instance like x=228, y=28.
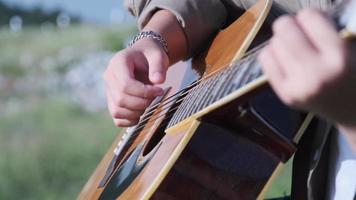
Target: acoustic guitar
x=223, y=136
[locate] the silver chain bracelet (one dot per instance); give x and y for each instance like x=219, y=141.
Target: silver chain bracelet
x=153, y=35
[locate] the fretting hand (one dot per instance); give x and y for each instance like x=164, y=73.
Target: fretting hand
x=311, y=68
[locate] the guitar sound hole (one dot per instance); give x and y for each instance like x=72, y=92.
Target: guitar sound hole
x=153, y=141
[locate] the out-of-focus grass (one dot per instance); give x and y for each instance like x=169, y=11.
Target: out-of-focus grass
x=282, y=184
x=34, y=46
x=49, y=150
x=49, y=145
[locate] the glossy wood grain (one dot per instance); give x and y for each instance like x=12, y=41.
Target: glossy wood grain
x=231, y=43
x=168, y=152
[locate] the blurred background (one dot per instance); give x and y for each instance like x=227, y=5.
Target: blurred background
x=54, y=127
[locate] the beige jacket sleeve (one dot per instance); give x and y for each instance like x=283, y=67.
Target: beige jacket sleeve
x=200, y=19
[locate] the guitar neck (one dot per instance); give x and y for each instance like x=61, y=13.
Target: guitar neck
x=216, y=86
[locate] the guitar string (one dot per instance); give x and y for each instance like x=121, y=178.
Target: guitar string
x=206, y=77
x=141, y=125
x=193, y=84
x=142, y=122
x=158, y=113
x=168, y=100
x=330, y=12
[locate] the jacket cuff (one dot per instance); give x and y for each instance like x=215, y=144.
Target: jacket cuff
x=199, y=19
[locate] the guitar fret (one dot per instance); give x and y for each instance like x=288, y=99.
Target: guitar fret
x=248, y=78
x=175, y=118
x=205, y=93
x=213, y=83
x=196, y=99
x=240, y=75
x=232, y=72
x=225, y=82
x=209, y=95
x=182, y=110
x=217, y=86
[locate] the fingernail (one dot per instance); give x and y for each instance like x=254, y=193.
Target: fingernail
x=160, y=92
x=157, y=76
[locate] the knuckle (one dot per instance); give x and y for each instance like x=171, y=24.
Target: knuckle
x=282, y=24
x=133, y=122
x=118, y=123
x=145, y=103
x=121, y=102
x=125, y=85
x=138, y=114
x=116, y=114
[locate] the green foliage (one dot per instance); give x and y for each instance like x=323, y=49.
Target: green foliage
x=49, y=151
x=49, y=146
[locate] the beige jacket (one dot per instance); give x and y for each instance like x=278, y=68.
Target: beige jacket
x=200, y=19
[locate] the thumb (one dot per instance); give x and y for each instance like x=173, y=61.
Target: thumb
x=157, y=67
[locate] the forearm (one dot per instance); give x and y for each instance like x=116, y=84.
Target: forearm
x=166, y=24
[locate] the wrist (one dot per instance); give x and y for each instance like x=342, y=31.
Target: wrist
x=166, y=24
x=153, y=36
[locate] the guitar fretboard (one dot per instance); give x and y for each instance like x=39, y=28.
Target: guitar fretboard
x=217, y=86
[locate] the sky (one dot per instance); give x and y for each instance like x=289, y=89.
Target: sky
x=97, y=11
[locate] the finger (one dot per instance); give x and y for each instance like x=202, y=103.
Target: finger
x=138, y=89
x=124, y=122
x=319, y=29
x=292, y=40
x=275, y=74
x=130, y=102
x=124, y=79
x=121, y=113
x=287, y=62
x=157, y=66
x=271, y=67
x=121, y=99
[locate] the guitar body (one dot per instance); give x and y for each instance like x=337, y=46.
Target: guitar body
x=230, y=148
